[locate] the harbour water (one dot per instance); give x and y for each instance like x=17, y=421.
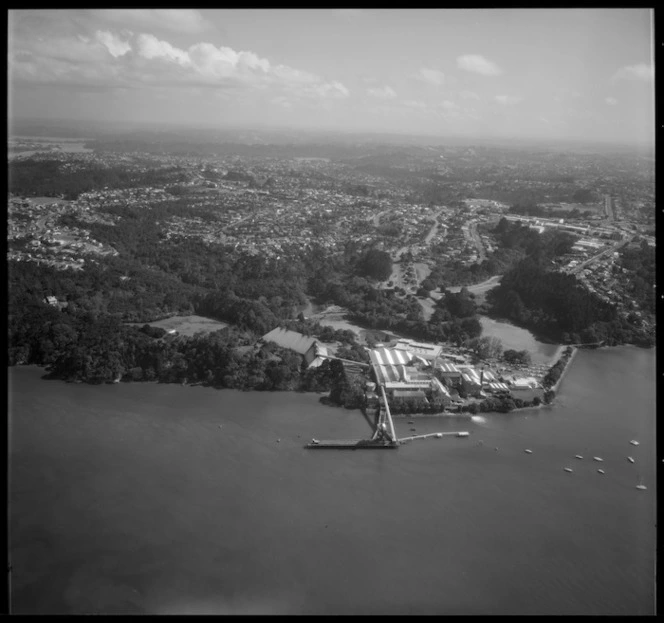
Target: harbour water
x=164, y=499
x=516, y=338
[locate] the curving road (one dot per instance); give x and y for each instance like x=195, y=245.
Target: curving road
x=472, y=229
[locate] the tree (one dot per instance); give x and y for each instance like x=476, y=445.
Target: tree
x=486, y=347
x=376, y=264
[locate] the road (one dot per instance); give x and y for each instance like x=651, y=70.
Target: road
x=594, y=258
x=472, y=229
x=479, y=288
x=421, y=273
x=608, y=208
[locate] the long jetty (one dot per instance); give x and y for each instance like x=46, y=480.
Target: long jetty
x=353, y=444
x=564, y=372
x=461, y=433
x=379, y=444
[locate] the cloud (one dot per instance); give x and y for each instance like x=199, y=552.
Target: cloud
x=334, y=90
x=188, y=21
x=385, y=93
x=566, y=94
x=148, y=46
x=431, y=76
x=108, y=60
x=478, y=64
x=611, y=101
x=447, y=105
x=469, y=95
x=115, y=45
x=642, y=71
x=418, y=104
x=507, y=100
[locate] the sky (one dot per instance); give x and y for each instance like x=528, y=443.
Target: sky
x=568, y=74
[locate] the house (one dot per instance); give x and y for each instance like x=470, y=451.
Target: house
x=53, y=302
x=525, y=388
x=313, y=351
x=426, y=351
x=449, y=373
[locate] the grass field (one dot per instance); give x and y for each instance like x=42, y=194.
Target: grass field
x=187, y=325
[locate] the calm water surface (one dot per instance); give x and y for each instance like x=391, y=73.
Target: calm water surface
x=146, y=498
x=516, y=338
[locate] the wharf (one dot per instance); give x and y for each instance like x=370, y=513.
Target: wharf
x=353, y=444
x=446, y=434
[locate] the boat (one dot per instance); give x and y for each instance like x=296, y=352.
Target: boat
x=598, y=458
x=578, y=456
x=439, y=435
x=315, y=441
x=601, y=471
x=630, y=459
x=568, y=469
x=634, y=442
x=642, y=487
x=528, y=451
x=462, y=434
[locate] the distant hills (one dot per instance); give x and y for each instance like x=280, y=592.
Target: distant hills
x=156, y=132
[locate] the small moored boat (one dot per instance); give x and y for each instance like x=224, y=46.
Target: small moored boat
x=598, y=458
x=315, y=441
x=528, y=451
x=462, y=434
x=601, y=471
x=439, y=435
x=630, y=459
x=568, y=469
x=634, y=442
x=642, y=487
x=578, y=456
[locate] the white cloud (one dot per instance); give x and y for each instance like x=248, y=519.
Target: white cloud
x=176, y=20
x=478, y=64
x=334, y=90
x=148, y=46
x=115, y=45
x=447, y=105
x=469, y=95
x=418, y=104
x=110, y=61
x=385, y=93
x=642, y=71
x=507, y=100
x=431, y=76
x=565, y=94
x=611, y=101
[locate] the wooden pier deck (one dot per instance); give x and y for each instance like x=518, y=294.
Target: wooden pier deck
x=353, y=444
x=446, y=434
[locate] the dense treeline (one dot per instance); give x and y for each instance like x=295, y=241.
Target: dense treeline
x=514, y=242
x=557, y=306
x=376, y=264
x=532, y=209
x=640, y=262
x=95, y=349
x=114, y=286
x=51, y=178
x=556, y=370
x=505, y=404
